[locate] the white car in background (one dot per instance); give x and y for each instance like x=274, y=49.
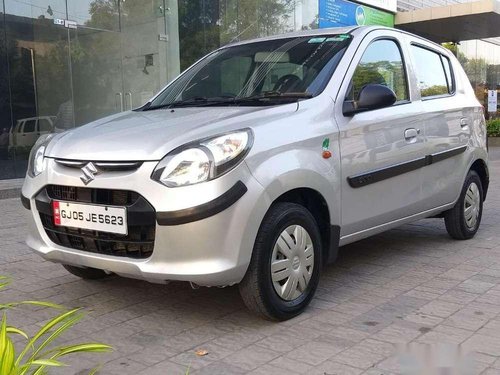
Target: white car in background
x=26, y=132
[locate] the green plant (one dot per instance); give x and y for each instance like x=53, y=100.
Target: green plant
x=493, y=127
x=39, y=352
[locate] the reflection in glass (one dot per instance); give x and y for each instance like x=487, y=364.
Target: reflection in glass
x=37, y=55
x=36, y=9
x=205, y=25
x=6, y=166
x=381, y=64
x=430, y=72
x=99, y=14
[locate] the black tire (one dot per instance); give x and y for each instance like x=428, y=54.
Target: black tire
x=455, y=220
x=256, y=288
x=86, y=272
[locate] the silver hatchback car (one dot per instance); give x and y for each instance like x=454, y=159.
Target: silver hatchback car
x=260, y=160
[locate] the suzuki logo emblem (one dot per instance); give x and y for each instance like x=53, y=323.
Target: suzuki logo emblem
x=89, y=173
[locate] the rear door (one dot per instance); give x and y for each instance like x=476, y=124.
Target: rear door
x=446, y=123
x=381, y=182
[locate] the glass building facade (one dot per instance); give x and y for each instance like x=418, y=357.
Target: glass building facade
x=64, y=63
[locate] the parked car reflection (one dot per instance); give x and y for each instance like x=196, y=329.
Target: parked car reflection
x=26, y=131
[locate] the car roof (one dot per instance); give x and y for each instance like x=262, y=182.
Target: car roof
x=353, y=30
x=295, y=34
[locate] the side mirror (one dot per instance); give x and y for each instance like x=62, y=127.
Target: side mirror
x=371, y=96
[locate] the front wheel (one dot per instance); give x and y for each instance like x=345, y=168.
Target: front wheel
x=462, y=221
x=286, y=262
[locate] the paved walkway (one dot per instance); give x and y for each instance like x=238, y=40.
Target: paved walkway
x=410, y=285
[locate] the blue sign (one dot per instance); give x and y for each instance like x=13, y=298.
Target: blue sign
x=341, y=13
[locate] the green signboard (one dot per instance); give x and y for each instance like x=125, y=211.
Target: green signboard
x=372, y=16
x=338, y=13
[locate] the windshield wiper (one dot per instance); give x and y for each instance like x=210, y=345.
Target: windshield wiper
x=262, y=98
x=277, y=95
x=196, y=101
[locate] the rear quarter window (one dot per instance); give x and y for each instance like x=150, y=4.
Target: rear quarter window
x=433, y=71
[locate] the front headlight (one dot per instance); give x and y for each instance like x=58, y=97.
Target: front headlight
x=37, y=163
x=203, y=160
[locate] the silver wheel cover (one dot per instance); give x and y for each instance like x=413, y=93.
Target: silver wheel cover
x=472, y=206
x=292, y=262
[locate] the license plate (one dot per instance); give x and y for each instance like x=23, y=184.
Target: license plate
x=86, y=216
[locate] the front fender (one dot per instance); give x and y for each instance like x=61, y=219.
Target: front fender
x=295, y=169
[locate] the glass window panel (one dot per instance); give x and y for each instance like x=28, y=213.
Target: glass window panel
x=291, y=65
x=6, y=163
x=44, y=125
x=37, y=50
x=29, y=126
x=235, y=72
x=381, y=64
x=430, y=73
x=447, y=70
x=102, y=14
x=36, y=9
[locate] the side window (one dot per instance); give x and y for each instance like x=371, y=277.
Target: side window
x=447, y=70
x=381, y=63
x=430, y=70
x=44, y=125
x=19, y=126
x=29, y=126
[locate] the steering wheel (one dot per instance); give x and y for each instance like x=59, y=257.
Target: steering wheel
x=287, y=82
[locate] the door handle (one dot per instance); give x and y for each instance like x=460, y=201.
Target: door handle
x=411, y=135
x=464, y=122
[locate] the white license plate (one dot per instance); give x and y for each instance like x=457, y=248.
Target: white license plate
x=86, y=216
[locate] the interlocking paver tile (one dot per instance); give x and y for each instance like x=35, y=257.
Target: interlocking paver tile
x=411, y=285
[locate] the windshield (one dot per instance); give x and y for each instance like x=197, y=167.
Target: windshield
x=268, y=72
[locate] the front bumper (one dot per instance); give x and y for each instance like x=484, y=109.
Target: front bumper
x=203, y=233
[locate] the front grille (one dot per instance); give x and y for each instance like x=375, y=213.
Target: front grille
x=103, y=166
x=97, y=196
x=141, y=220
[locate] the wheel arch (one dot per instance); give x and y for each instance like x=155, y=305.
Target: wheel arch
x=317, y=205
x=481, y=168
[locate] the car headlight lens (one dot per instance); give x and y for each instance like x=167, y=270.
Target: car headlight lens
x=37, y=163
x=203, y=160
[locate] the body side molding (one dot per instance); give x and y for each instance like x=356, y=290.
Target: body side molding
x=381, y=174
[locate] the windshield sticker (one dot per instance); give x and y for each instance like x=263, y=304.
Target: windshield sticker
x=338, y=38
x=316, y=40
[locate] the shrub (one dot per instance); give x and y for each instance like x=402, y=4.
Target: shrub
x=39, y=352
x=493, y=127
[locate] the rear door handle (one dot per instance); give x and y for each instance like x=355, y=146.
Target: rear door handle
x=411, y=135
x=464, y=122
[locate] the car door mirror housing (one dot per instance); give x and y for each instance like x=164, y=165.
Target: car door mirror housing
x=371, y=96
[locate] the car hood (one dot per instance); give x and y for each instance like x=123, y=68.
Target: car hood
x=150, y=135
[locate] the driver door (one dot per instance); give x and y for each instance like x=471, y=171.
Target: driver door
x=381, y=180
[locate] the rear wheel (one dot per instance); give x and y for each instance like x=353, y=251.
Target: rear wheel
x=463, y=220
x=286, y=261
x=86, y=272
